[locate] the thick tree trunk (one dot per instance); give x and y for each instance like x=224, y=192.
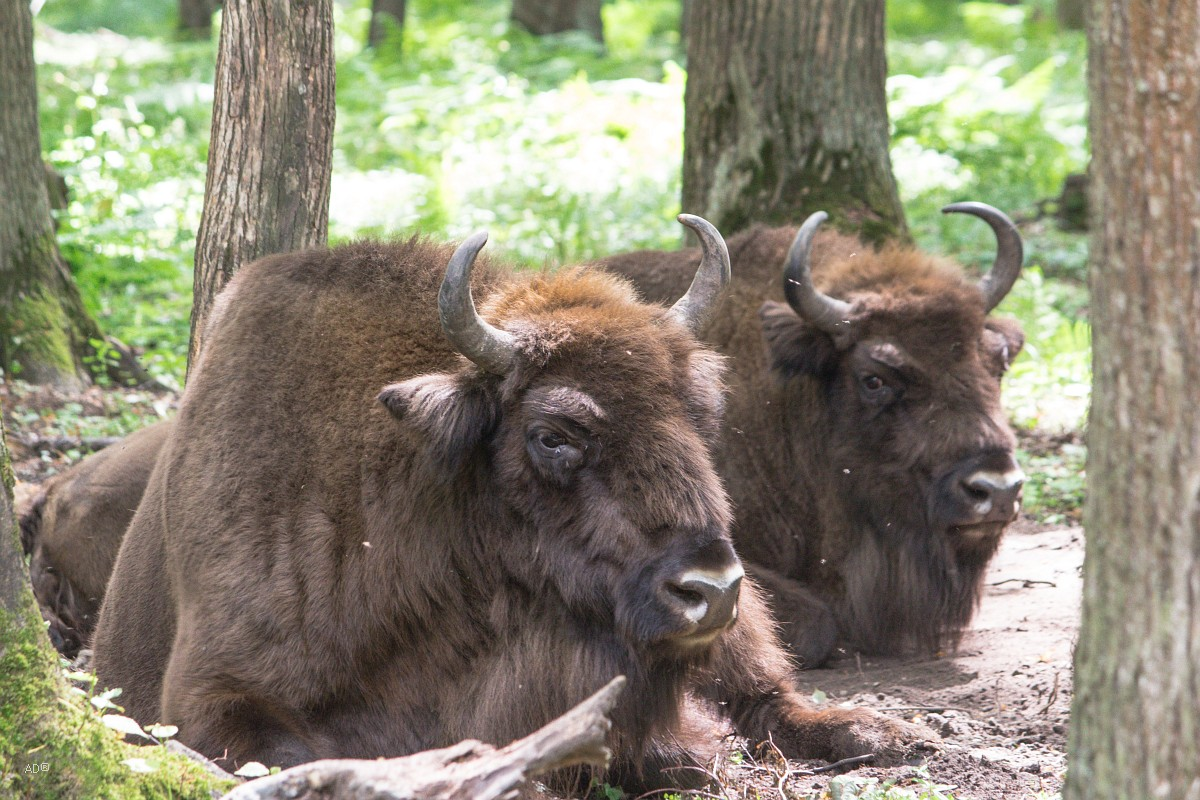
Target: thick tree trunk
x=385, y=14
x=271, y=153
x=1135, y=723
x=46, y=335
x=785, y=114
x=195, y=17
x=556, y=16
x=51, y=744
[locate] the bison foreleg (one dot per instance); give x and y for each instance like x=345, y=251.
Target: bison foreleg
x=806, y=623
x=752, y=679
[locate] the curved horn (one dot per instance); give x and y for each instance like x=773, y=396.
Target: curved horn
x=491, y=348
x=1009, y=251
x=703, y=297
x=826, y=313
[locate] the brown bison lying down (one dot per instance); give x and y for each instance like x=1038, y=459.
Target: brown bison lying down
x=869, y=462
x=73, y=529
x=381, y=524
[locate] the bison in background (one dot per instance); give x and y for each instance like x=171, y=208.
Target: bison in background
x=870, y=464
x=366, y=537
x=73, y=528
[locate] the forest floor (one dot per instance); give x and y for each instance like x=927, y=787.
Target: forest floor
x=1000, y=702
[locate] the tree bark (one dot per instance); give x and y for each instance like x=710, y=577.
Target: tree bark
x=46, y=334
x=556, y=16
x=384, y=15
x=271, y=152
x=195, y=17
x=52, y=745
x=786, y=114
x=1135, y=722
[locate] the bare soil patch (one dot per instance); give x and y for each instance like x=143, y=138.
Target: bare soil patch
x=1001, y=702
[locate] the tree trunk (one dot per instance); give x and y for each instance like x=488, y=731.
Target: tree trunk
x=195, y=17
x=1135, y=720
x=1071, y=14
x=46, y=335
x=271, y=153
x=385, y=14
x=52, y=745
x=785, y=114
x=556, y=16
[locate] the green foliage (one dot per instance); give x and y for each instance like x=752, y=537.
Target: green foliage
x=1055, y=485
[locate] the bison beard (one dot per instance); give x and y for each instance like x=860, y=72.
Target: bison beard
x=321, y=569
x=864, y=432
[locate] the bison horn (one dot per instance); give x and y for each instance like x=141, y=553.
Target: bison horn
x=1009, y=251
x=826, y=313
x=490, y=348
x=703, y=297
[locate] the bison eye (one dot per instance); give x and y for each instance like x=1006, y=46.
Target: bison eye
x=549, y=440
x=875, y=390
x=553, y=454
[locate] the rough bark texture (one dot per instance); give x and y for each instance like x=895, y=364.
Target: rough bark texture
x=785, y=114
x=271, y=153
x=1135, y=724
x=51, y=744
x=46, y=334
x=195, y=16
x=556, y=16
x=385, y=14
x=469, y=770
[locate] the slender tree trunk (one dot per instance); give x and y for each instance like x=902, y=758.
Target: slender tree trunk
x=1135, y=721
x=785, y=114
x=271, y=153
x=556, y=16
x=195, y=17
x=46, y=335
x=51, y=744
x=385, y=14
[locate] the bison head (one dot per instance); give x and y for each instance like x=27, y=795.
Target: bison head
x=582, y=419
x=904, y=370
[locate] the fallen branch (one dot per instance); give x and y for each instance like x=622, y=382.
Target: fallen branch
x=1028, y=582
x=469, y=770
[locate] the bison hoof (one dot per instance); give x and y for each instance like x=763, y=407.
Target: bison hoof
x=861, y=731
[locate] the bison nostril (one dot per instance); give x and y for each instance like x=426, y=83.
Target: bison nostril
x=691, y=602
x=993, y=494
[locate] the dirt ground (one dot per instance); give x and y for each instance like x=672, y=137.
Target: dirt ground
x=1000, y=702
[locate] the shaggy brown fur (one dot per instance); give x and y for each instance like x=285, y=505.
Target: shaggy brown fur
x=73, y=529
x=356, y=543
x=843, y=509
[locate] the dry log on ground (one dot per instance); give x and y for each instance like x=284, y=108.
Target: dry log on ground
x=469, y=770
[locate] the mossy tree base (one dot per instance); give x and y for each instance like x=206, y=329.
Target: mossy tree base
x=52, y=743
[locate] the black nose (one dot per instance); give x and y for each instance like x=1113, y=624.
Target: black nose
x=706, y=598
x=990, y=496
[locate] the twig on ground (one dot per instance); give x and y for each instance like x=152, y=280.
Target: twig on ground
x=845, y=762
x=1028, y=582
x=930, y=709
x=182, y=749
x=1053, y=695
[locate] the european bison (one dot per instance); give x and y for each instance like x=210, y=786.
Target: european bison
x=865, y=450
x=73, y=528
x=357, y=542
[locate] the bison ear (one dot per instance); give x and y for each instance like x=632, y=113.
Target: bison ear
x=1004, y=338
x=453, y=412
x=795, y=347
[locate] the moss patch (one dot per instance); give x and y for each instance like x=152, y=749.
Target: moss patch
x=37, y=345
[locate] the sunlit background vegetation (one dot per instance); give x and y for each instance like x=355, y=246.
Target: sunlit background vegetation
x=564, y=150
